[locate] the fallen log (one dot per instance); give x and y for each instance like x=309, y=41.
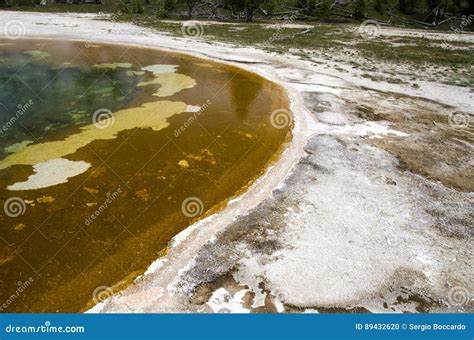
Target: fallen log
x=289, y=36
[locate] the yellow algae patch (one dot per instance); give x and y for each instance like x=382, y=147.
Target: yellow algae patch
x=193, y=108
x=183, y=163
x=18, y=146
x=204, y=155
x=194, y=157
x=171, y=83
x=63, y=66
x=134, y=73
x=45, y=199
x=150, y=115
x=91, y=190
x=51, y=172
x=143, y=194
x=160, y=68
x=113, y=66
x=37, y=54
x=19, y=226
x=205, y=65
x=5, y=259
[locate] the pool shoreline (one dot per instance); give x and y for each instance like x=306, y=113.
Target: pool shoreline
x=124, y=282
x=166, y=285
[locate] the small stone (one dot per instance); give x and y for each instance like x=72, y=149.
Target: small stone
x=91, y=190
x=98, y=172
x=143, y=194
x=183, y=163
x=5, y=259
x=45, y=199
x=19, y=227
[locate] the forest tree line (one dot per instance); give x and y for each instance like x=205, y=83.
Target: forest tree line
x=424, y=13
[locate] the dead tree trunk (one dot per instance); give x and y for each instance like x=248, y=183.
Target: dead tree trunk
x=190, y=4
x=470, y=9
x=249, y=14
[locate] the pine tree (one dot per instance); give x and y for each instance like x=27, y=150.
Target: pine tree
x=249, y=6
x=380, y=6
x=360, y=9
x=190, y=4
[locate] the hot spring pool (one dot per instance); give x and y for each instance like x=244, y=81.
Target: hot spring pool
x=108, y=151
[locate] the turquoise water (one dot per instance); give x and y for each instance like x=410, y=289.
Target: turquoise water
x=48, y=97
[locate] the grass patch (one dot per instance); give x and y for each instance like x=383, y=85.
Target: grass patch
x=421, y=53
x=330, y=40
x=325, y=38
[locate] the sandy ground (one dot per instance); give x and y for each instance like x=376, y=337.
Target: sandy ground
x=368, y=209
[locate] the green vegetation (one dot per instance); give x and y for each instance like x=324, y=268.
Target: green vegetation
x=446, y=62
x=315, y=30
x=326, y=38
x=419, y=13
